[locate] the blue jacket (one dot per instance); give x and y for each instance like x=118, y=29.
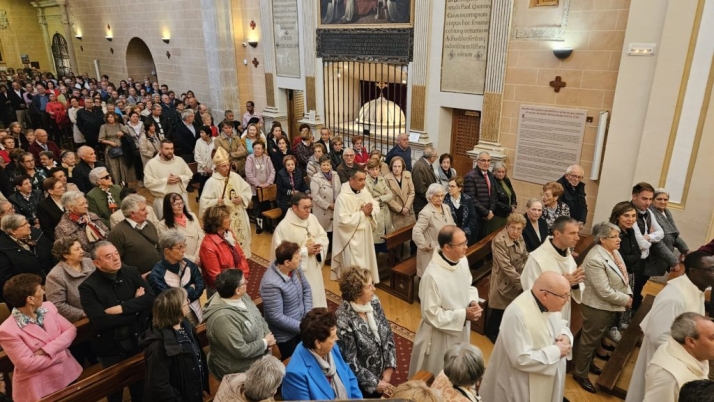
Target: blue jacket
x=158, y=283
x=286, y=300
x=304, y=380
x=406, y=154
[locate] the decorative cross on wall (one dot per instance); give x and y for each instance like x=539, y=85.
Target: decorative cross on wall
x=557, y=84
x=255, y=62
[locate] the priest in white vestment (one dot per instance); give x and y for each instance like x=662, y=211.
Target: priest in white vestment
x=681, y=295
x=684, y=357
x=226, y=187
x=354, y=222
x=554, y=255
x=528, y=360
x=448, y=303
x=301, y=227
x=165, y=174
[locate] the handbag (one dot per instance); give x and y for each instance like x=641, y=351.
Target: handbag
x=115, y=152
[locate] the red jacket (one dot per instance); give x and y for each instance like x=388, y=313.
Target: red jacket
x=35, y=150
x=216, y=257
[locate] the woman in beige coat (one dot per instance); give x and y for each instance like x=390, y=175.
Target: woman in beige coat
x=377, y=186
x=324, y=187
x=432, y=218
x=509, y=258
x=401, y=205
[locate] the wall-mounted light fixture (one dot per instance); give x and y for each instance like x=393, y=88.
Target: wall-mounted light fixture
x=563, y=53
x=78, y=36
x=166, y=40
x=109, y=35
x=166, y=36
x=253, y=43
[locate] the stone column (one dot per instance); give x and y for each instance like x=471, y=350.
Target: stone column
x=271, y=112
x=418, y=72
x=68, y=34
x=45, y=36
x=499, y=31
x=220, y=56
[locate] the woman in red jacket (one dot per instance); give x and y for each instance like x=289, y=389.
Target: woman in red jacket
x=59, y=119
x=220, y=249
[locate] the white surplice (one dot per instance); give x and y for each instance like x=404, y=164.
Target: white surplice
x=156, y=175
x=299, y=231
x=525, y=364
x=546, y=258
x=353, y=244
x=236, y=187
x=672, y=367
x=679, y=296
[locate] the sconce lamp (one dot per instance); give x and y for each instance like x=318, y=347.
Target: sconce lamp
x=109, y=35
x=253, y=43
x=563, y=53
x=109, y=38
x=166, y=40
x=79, y=37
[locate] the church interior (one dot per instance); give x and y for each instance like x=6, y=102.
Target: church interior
x=619, y=87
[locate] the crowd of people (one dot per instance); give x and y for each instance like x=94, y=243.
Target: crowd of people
x=76, y=242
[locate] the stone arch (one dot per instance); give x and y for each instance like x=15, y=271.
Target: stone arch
x=139, y=61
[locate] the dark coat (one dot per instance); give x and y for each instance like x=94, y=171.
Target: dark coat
x=531, y=237
x=630, y=250
x=504, y=203
x=285, y=191
x=575, y=198
x=26, y=208
x=116, y=334
x=97, y=201
x=49, y=215
x=80, y=174
x=157, y=279
x=172, y=371
x=89, y=123
x=405, y=154
x=476, y=187
x=184, y=140
x=336, y=158
x=16, y=101
x=35, y=150
x=277, y=159
x=468, y=221
x=422, y=176
x=166, y=128
x=15, y=260
x=344, y=171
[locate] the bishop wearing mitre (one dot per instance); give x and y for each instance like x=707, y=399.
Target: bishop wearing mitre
x=226, y=187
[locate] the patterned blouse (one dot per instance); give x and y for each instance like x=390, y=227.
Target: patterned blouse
x=23, y=320
x=561, y=209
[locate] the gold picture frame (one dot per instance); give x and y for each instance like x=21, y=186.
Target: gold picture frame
x=340, y=14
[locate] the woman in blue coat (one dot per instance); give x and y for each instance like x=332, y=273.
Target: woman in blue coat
x=316, y=370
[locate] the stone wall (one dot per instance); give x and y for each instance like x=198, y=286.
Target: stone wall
x=23, y=35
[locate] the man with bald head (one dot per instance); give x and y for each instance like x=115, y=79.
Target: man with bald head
x=574, y=195
x=42, y=144
x=87, y=162
x=423, y=176
x=403, y=150
x=528, y=360
x=479, y=184
x=448, y=302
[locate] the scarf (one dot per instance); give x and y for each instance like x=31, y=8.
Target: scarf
x=69, y=169
x=328, y=176
x=330, y=371
x=111, y=203
x=369, y=311
x=182, y=220
x=94, y=232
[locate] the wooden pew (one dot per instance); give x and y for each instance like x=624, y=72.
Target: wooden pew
x=420, y=375
x=607, y=381
x=394, y=242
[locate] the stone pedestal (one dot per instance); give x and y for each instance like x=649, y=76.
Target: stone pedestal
x=497, y=152
x=271, y=114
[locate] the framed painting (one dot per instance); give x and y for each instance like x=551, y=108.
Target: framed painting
x=366, y=13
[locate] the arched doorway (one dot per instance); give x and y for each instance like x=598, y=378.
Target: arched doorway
x=139, y=62
x=61, y=55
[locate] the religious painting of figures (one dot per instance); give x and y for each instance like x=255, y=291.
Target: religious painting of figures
x=381, y=13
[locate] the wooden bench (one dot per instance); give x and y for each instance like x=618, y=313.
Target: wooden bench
x=607, y=381
x=394, y=242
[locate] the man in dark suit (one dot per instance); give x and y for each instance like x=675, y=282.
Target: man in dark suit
x=574, y=193
x=478, y=183
x=89, y=120
x=423, y=176
x=163, y=125
x=49, y=213
x=185, y=136
x=38, y=108
x=88, y=161
x=43, y=144
x=15, y=95
x=25, y=199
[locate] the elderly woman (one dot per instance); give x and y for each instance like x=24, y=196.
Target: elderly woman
x=220, y=250
x=606, y=292
x=175, y=363
x=463, y=369
x=509, y=258
x=236, y=331
x=176, y=271
x=259, y=173
x=432, y=218
x=402, y=204
x=23, y=249
x=287, y=297
x=303, y=149
x=289, y=180
x=416, y=390
x=463, y=210
x=313, y=164
x=26, y=166
x=337, y=151
x=624, y=215
x=361, y=154
x=364, y=334
x=506, y=201
x=119, y=148
x=105, y=198
x=259, y=384
x=64, y=279
x=49, y=211
x=445, y=173
x=662, y=258
x=178, y=217
x=78, y=223
x=325, y=187
x=36, y=338
x=552, y=206
x=536, y=230
x=150, y=141
x=317, y=371
x=377, y=186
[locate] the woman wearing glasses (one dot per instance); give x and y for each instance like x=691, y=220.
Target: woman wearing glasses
x=105, y=198
x=178, y=217
x=509, y=258
x=607, y=291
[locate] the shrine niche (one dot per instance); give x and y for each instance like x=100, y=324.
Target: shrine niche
x=338, y=13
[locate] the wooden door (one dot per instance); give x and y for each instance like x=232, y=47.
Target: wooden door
x=296, y=111
x=464, y=135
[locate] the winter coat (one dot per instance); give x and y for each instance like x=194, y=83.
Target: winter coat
x=15, y=260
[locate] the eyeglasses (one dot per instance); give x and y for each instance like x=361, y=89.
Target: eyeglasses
x=575, y=176
x=177, y=203
x=564, y=297
x=453, y=186
x=617, y=236
x=179, y=247
x=459, y=245
x=484, y=160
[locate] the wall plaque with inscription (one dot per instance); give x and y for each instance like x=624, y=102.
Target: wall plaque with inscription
x=388, y=45
x=549, y=140
x=287, y=40
x=463, y=61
